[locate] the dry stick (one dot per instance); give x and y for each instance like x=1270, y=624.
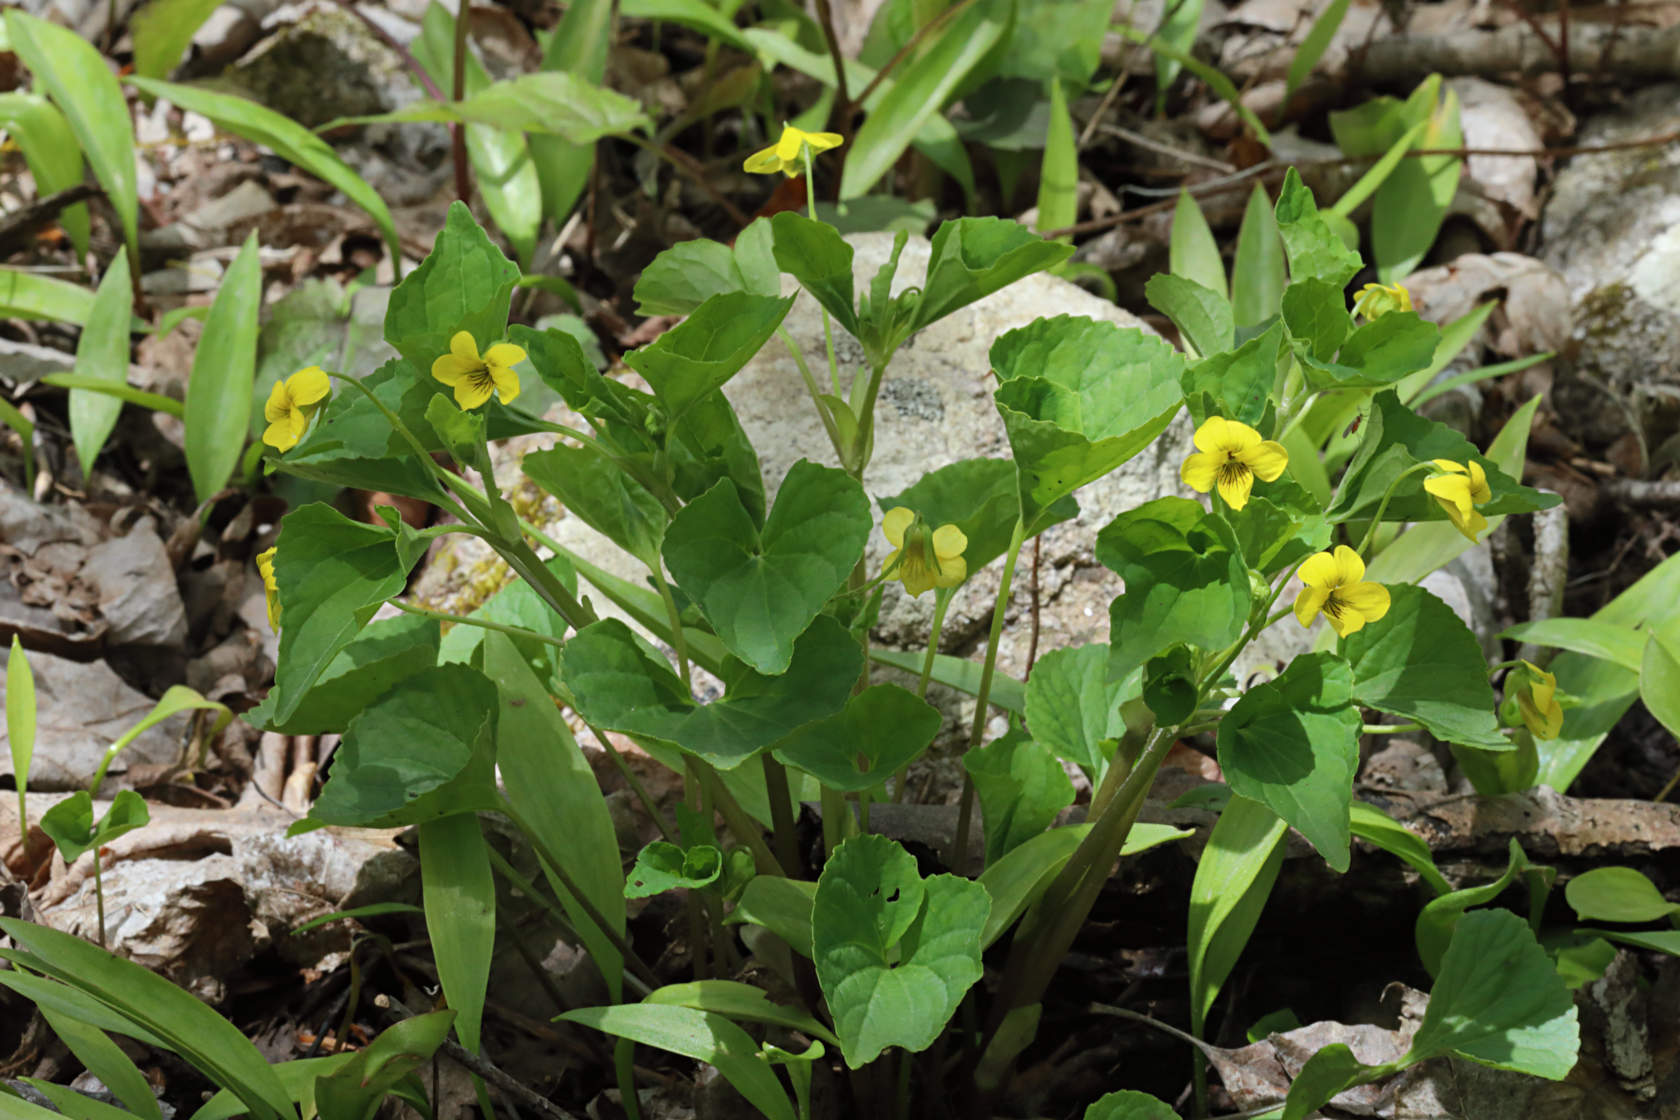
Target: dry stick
x=463, y=183
x=1519, y=49
x=904, y=52
x=483, y=1066
x=1032, y=642
x=1640, y=492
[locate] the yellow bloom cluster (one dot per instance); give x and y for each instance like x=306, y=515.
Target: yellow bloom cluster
x=271, y=590
x=787, y=154
x=1335, y=586
x=473, y=378
x=291, y=404
x=921, y=557
x=1459, y=489
x=1534, y=693
x=1231, y=455
x=1379, y=299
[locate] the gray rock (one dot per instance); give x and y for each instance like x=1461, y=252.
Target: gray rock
x=81, y=708
x=1612, y=228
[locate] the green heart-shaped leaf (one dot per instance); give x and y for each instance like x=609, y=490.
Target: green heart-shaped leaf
x=696, y=357
x=620, y=683
x=760, y=590
x=882, y=729
x=895, y=953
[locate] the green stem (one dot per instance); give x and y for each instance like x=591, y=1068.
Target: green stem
x=781, y=815
x=740, y=822
x=865, y=412
x=828, y=328
x=1390, y=728
x=941, y=600
x=481, y=623
x=678, y=641
x=624, y=771
x=982, y=695
x=816, y=394
x=1382, y=506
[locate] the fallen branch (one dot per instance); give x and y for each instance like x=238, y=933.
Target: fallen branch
x=1627, y=53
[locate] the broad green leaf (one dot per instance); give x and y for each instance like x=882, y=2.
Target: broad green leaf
x=379, y=658
x=29, y=295
x=333, y=573
x=1170, y=686
x=1185, y=582
x=1374, y=826
x=895, y=953
x=549, y=784
x=106, y=1061
x=970, y=258
x=163, y=30
x=1499, y=1001
x=53, y=153
x=1410, y=206
x=782, y=906
x=662, y=866
x=760, y=590
x=72, y=829
x=978, y=496
x=464, y=284
x=619, y=684
x=283, y=136
x=1193, y=253
x=559, y=104
x=353, y=443
x=739, y=1001
x=1433, y=930
x=1329, y=1072
x=1234, y=876
x=1203, y=317
x=1313, y=46
x=218, y=408
x=1377, y=353
x=1397, y=438
x=696, y=15
x=1058, y=177
x=1580, y=957
x=1239, y=382
x=357, y=1087
x=1129, y=1104
x=880, y=730
x=1258, y=272
x=1617, y=894
x=921, y=87
x=577, y=45
x=1021, y=787
x=171, y=1014
x=1071, y=707
x=1659, y=682
x=689, y=273
x=704, y=1036
x=299, y=1078
x=459, y=894
x=704, y=351
x=102, y=352
x=821, y=260
x=1079, y=398
x=20, y=721
x=1419, y=661
x=76, y=77
x=1313, y=248
x=421, y=751
x=1315, y=310
x=601, y=495
x=1281, y=525
x=1293, y=744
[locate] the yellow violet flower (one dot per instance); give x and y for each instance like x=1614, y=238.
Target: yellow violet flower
x=787, y=154
x=1335, y=585
x=1231, y=456
x=291, y=403
x=924, y=558
x=1535, y=693
x=1379, y=299
x=271, y=590
x=474, y=378
x=1460, y=490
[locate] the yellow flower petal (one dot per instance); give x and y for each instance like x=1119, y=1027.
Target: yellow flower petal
x=823, y=141
x=1370, y=599
x=271, y=589
x=1480, y=491
x=1235, y=483
x=1309, y=602
x=949, y=543
x=788, y=144
x=894, y=523
x=1212, y=435
x=1346, y=621
x=1240, y=439
x=1200, y=470
x=506, y=382
x=449, y=369
x=464, y=346
x=1452, y=490
x=504, y=354
x=1449, y=465
x=470, y=392
x=916, y=576
x=762, y=162
x=279, y=435
x=952, y=571
x=1319, y=570
x=308, y=385
x=1267, y=459
x=279, y=403
x=1350, y=569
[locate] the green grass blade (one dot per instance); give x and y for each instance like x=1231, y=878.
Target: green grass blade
x=20, y=720
x=1193, y=253
x=163, y=29
x=218, y=408
x=30, y=295
x=286, y=138
x=86, y=92
x=126, y=393
x=459, y=894
x=19, y=423
x=1259, y=272
x=1313, y=46
x=1058, y=180
x=102, y=354
x=54, y=156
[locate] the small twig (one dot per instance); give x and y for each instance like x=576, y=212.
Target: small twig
x=1168, y=150
x=463, y=180
x=904, y=52
x=18, y=226
x=483, y=1067
x=1640, y=492
x=1032, y=642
